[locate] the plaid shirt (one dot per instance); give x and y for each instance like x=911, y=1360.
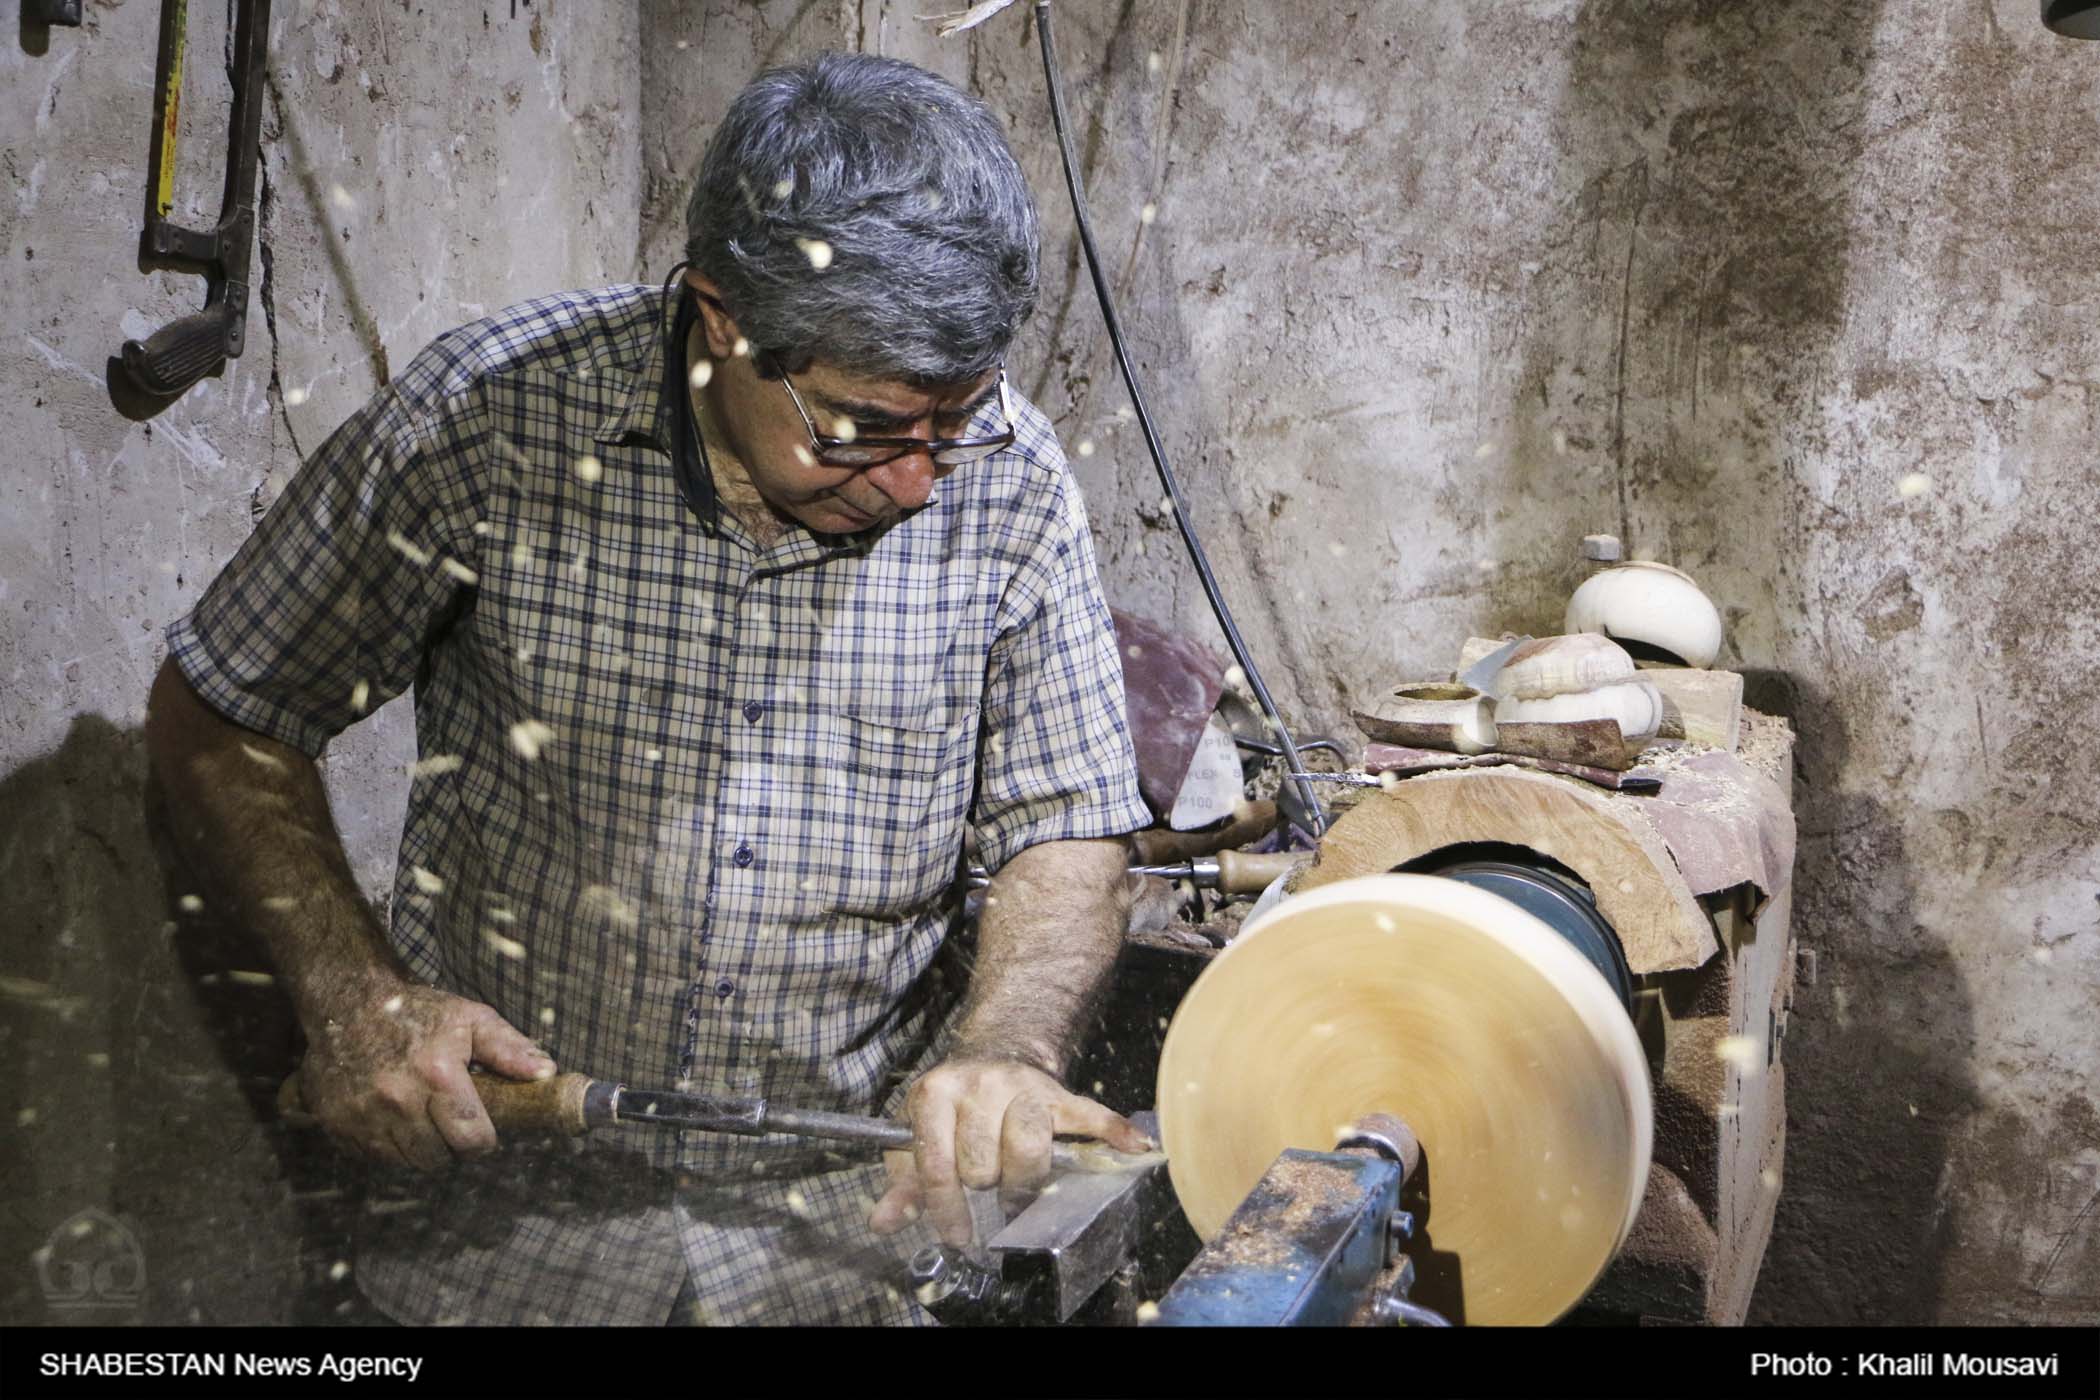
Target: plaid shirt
x=688, y=810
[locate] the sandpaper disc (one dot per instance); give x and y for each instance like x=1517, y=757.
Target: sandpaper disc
x=1469, y=1018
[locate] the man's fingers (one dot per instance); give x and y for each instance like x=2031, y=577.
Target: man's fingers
x=456, y=1112
x=502, y=1048
x=379, y=1147
x=1084, y=1117
x=1024, y=1155
x=933, y=1151
x=899, y=1205
x=977, y=1138
x=419, y=1146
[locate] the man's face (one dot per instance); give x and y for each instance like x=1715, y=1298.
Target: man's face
x=758, y=420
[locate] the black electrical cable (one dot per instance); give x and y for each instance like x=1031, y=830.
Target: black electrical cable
x=689, y=465
x=1306, y=795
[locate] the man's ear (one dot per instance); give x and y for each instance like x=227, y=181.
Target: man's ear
x=717, y=326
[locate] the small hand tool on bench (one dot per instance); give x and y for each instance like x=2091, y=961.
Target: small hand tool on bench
x=569, y=1105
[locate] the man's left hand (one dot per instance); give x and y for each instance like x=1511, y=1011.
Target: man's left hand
x=983, y=1122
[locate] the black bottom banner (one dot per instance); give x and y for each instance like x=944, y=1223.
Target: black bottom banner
x=1135, y=1362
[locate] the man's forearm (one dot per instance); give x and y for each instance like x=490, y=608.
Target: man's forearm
x=250, y=818
x=1052, y=927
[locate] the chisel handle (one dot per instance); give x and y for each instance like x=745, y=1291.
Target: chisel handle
x=556, y=1107
x=1251, y=872
x=1235, y=872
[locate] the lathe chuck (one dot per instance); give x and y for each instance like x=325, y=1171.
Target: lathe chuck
x=1474, y=1021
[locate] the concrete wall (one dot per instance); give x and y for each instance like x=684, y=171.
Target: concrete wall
x=422, y=164
x=1430, y=291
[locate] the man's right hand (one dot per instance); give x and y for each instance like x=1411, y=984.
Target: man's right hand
x=386, y=1072
x=386, y=1066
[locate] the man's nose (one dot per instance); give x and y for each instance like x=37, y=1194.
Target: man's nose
x=907, y=480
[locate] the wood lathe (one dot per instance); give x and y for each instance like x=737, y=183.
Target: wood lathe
x=1401, y=1097
x=1572, y=998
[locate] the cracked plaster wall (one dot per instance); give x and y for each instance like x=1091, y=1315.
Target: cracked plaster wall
x=423, y=163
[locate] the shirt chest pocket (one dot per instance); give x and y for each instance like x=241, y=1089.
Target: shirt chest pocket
x=896, y=787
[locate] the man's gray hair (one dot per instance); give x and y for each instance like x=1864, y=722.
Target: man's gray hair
x=863, y=212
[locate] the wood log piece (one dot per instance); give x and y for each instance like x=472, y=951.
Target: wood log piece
x=1606, y=840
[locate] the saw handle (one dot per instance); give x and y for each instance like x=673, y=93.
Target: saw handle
x=518, y=1107
x=179, y=353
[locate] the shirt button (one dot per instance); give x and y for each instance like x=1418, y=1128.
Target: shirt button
x=752, y=710
x=725, y=987
x=745, y=855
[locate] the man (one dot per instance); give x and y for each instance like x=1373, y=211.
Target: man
x=730, y=607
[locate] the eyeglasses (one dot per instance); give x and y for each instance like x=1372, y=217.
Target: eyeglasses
x=857, y=451
x=852, y=450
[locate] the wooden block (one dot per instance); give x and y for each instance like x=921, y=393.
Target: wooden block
x=1604, y=838
x=1705, y=707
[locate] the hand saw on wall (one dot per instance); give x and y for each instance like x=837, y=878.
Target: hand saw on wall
x=180, y=353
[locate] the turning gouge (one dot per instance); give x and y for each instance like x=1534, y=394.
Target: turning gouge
x=570, y=1105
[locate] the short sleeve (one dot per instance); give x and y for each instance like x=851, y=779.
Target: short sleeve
x=1055, y=760
x=326, y=612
